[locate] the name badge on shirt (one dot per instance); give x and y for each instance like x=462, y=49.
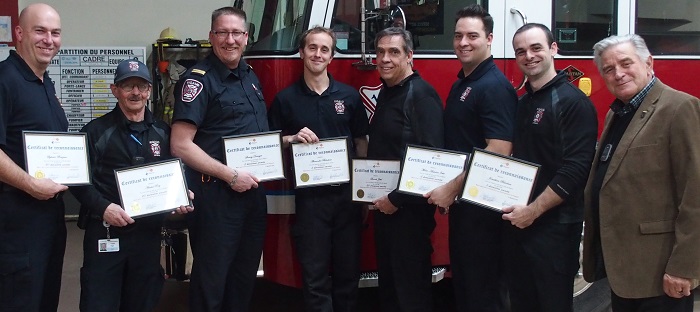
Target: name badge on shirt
x=108, y=245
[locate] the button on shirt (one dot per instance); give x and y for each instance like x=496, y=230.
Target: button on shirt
x=220, y=102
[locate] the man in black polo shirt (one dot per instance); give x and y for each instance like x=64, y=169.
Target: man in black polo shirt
x=479, y=112
x=127, y=275
x=409, y=111
x=556, y=128
x=328, y=224
x=32, y=227
x=221, y=96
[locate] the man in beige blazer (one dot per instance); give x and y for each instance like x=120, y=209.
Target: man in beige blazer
x=642, y=214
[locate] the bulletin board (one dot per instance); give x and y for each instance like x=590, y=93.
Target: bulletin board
x=8, y=9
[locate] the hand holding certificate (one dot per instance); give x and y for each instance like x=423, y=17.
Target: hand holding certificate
x=495, y=181
x=322, y=163
x=61, y=157
x=152, y=188
x=424, y=169
x=260, y=154
x=372, y=179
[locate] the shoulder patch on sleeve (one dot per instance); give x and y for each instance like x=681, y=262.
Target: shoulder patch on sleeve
x=199, y=72
x=191, y=89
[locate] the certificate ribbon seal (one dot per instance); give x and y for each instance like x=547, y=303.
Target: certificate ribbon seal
x=39, y=174
x=135, y=207
x=473, y=191
x=304, y=177
x=360, y=193
x=410, y=184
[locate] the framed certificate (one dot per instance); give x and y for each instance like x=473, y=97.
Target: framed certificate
x=152, y=188
x=322, y=163
x=259, y=153
x=424, y=169
x=372, y=179
x=495, y=181
x=59, y=156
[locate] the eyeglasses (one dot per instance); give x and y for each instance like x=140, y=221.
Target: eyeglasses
x=224, y=34
x=128, y=87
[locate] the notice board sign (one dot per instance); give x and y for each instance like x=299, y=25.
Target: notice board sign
x=82, y=76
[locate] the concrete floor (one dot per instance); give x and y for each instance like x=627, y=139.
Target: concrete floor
x=268, y=296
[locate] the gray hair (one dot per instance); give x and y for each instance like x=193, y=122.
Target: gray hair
x=396, y=31
x=637, y=42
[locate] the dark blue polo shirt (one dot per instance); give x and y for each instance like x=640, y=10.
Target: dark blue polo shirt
x=337, y=112
x=480, y=106
x=220, y=102
x=26, y=103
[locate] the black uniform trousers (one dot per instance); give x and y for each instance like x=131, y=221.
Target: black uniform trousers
x=32, y=244
x=403, y=248
x=130, y=279
x=661, y=303
x=542, y=261
x=476, y=258
x=227, y=231
x=327, y=238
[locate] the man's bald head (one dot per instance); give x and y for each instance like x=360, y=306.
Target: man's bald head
x=38, y=36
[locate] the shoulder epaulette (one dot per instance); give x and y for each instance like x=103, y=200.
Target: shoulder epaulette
x=251, y=67
x=199, y=71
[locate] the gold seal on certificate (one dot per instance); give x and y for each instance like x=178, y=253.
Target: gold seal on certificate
x=495, y=181
x=322, y=163
x=59, y=156
x=259, y=153
x=424, y=169
x=372, y=179
x=152, y=188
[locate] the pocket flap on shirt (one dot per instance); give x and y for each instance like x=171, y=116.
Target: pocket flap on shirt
x=657, y=227
x=11, y=263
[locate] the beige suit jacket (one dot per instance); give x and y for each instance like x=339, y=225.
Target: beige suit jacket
x=649, y=221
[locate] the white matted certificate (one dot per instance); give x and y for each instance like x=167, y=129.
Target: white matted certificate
x=152, y=188
x=372, y=179
x=259, y=153
x=322, y=163
x=424, y=169
x=495, y=181
x=59, y=156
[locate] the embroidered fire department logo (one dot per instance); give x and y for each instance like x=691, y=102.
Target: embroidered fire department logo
x=538, y=116
x=190, y=90
x=572, y=73
x=465, y=94
x=133, y=66
x=155, y=148
x=339, y=107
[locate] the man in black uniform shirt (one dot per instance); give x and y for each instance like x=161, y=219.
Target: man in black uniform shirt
x=556, y=127
x=409, y=111
x=328, y=224
x=127, y=275
x=479, y=112
x=32, y=227
x=221, y=96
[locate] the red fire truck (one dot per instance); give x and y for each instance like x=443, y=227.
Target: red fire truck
x=671, y=29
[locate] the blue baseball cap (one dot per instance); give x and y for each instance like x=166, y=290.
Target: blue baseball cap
x=131, y=68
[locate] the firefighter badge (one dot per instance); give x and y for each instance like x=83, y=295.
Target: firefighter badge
x=339, y=107
x=465, y=94
x=155, y=148
x=133, y=66
x=190, y=90
x=538, y=116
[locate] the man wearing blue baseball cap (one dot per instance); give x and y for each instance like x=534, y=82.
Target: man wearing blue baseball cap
x=121, y=264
